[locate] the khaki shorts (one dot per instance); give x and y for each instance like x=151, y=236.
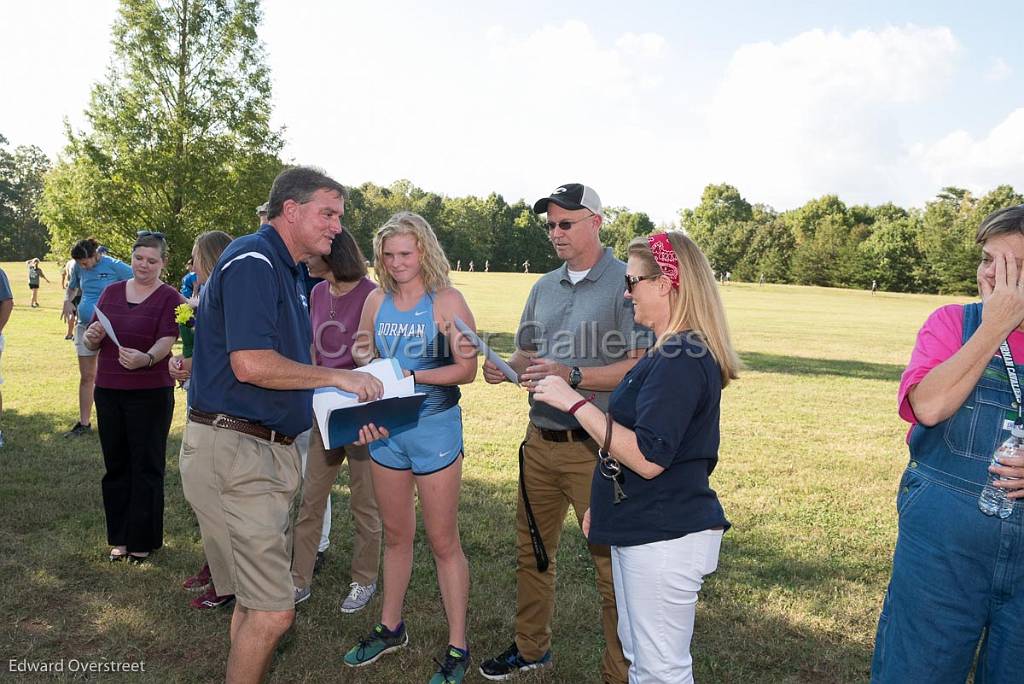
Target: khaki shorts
x=242, y=489
x=80, y=341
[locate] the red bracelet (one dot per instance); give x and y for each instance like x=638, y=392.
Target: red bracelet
x=579, y=404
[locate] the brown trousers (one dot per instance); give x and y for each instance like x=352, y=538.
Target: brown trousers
x=321, y=472
x=558, y=474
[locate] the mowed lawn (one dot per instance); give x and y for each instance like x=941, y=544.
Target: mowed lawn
x=811, y=454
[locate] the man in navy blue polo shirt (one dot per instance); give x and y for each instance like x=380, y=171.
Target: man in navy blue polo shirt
x=250, y=396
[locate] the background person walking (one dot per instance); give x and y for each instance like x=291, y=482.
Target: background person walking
x=34, y=274
x=93, y=273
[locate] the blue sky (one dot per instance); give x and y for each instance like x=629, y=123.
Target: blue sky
x=647, y=102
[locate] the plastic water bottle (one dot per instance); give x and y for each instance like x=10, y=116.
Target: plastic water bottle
x=993, y=500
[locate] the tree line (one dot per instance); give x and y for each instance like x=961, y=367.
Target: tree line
x=827, y=243
x=179, y=141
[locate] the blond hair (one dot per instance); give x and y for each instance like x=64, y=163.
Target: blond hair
x=697, y=305
x=434, y=265
x=207, y=250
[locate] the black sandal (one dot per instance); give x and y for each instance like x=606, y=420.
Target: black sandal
x=116, y=555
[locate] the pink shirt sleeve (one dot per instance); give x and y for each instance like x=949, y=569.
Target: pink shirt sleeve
x=939, y=338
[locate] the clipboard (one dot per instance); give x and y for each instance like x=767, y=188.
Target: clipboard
x=340, y=414
x=397, y=414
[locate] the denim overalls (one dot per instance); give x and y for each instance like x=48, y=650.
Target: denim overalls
x=955, y=571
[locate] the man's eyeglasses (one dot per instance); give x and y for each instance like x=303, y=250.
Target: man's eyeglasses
x=565, y=225
x=631, y=281
x=150, y=233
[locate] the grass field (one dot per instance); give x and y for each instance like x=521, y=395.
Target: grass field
x=810, y=458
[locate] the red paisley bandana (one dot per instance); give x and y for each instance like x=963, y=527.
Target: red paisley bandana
x=663, y=253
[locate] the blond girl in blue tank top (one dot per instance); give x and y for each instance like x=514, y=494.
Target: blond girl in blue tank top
x=410, y=318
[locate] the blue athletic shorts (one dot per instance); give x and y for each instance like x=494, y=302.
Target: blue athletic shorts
x=432, y=445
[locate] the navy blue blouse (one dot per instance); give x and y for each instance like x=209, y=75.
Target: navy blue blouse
x=671, y=400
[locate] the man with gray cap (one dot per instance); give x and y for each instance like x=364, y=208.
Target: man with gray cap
x=576, y=324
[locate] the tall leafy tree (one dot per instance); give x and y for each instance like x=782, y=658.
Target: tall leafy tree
x=621, y=225
x=720, y=225
x=179, y=139
x=946, y=243
x=22, y=234
x=892, y=255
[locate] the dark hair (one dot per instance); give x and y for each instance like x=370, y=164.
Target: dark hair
x=345, y=259
x=1008, y=220
x=154, y=240
x=298, y=184
x=84, y=249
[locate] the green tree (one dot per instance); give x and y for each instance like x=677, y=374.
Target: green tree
x=946, y=243
x=22, y=235
x=893, y=255
x=770, y=250
x=370, y=206
x=179, y=138
x=621, y=226
x=720, y=225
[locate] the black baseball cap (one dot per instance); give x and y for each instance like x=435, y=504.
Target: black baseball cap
x=571, y=196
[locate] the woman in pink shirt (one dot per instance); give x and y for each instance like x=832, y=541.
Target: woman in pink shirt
x=957, y=587
x=334, y=308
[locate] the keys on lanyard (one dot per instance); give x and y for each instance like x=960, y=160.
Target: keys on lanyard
x=612, y=470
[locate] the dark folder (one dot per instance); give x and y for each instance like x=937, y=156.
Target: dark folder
x=397, y=414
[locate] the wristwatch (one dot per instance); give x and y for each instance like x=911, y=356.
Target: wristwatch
x=575, y=377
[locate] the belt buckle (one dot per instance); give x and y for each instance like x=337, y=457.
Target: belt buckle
x=220, y=421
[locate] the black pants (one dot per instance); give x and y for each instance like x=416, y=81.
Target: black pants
x=133, y=427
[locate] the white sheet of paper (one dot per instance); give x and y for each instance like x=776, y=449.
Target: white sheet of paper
x=488, y=353
x=107, y=327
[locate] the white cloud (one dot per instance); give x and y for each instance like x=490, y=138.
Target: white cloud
x=820, y=112
x=977, y=163
x=999, y=70
x=474, y=112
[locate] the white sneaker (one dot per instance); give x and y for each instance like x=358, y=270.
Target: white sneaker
x=302, y=594
x=358, y=597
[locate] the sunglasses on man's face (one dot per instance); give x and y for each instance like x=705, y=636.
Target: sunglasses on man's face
x=565, y=225
x=631, y=281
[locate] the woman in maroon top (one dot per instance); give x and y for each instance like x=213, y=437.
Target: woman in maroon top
x=135, y=399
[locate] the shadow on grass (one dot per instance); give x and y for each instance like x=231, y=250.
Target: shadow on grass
x=60, y=598
x=798, y=365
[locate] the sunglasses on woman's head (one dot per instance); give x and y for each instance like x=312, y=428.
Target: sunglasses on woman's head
x=631, y=281
x=150, y=233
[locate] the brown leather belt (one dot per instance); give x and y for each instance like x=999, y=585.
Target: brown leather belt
x=246, y=427
x=577, y=435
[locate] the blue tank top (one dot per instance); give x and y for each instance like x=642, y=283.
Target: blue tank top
x=412, y=337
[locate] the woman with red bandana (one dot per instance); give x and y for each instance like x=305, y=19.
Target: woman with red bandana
x=651, y=500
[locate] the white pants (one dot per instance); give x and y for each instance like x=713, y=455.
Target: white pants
x=656, y=588
x=302, y=441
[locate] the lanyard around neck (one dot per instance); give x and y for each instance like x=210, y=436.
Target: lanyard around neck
x=1011, y=373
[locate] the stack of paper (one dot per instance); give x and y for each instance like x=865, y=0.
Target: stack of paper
x=340, y=414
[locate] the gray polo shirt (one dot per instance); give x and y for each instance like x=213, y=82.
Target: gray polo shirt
x=586, y=324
